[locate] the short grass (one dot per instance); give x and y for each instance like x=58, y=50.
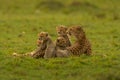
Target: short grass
x=22, y=20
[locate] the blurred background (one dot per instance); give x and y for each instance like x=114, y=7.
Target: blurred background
x=99, y=8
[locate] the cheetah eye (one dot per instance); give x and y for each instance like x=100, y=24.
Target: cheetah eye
x=40, y=38
x=58, y=40
x=58, y=32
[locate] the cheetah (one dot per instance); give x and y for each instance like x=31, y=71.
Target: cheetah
x=61, y=47
x=46, y=48
x=61, y=31
x=49, y=45
x=82, y=44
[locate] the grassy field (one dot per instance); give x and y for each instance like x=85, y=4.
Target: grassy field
x=22, y=20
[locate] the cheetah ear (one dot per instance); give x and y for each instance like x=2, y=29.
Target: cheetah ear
x=79, y=28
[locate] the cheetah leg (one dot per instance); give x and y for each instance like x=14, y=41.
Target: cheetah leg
x=88, y=51
x=38, y=54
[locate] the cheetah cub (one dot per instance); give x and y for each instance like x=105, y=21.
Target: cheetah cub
x=61, y=31
x=82, y=44
x=49, y=45
x=61, y=47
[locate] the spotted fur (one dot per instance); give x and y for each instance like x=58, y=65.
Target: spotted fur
x=60, y=43
x=82, y=44
x=41, y=43
x=51, y=50
x=61, y=31
x=61, y=47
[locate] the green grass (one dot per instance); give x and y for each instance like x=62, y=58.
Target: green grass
x=22, y=20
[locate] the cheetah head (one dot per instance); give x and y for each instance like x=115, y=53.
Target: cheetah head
x=61, y=30
x=43, y=36
x=39, y=42
x=74, y=31
x=61, y=41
